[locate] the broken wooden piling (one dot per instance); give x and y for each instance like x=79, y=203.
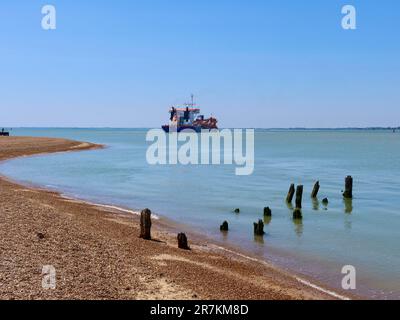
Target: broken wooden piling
x=182, y=241
x=267, y=212
x=259, y=228
x=297, y=214
x=145, y=224
x=299, y=196
x=348, y=188
x=224, y=226
x=315, y=190
x=290, y=194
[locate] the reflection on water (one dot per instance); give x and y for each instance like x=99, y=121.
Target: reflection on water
x=298, y=227
x=348, y=223
x=348, y=205
x=267, y=219
x=315, y=204
x=224, y=235
x=259, y=239
x=289, y=206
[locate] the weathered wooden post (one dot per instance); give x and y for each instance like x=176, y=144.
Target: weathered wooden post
x=299, y=196
x=348, y=188
x=224, y=226
x=182, y=241
x=145, y=224
x=290, y=194
x=315, y=190
x=297, y=214
x=259, y=228
x=267, y=212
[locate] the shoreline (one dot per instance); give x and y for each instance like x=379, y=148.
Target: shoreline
x=240, y=268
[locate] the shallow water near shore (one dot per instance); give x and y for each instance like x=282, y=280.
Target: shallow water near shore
x=363, y=232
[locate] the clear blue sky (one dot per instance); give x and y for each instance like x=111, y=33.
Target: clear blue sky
x=269, y=63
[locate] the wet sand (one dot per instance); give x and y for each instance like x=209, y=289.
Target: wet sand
x=97, y=253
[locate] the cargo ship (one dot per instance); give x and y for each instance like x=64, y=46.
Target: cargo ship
x=187, y=116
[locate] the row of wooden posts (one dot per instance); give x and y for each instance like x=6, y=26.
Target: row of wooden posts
x=297, y=192
x=145, y=230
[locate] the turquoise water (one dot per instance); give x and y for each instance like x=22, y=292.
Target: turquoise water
x=364, y=233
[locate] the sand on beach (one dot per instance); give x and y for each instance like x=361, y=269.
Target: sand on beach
x=97, y=253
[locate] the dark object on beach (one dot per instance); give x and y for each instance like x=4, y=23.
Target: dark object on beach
x=267, y=212
x=259, y=228
x=145, y=224
x=325, y=201
x=224, y=226
x=299, y=196
x=182, y=241
x=348, y=188
x=4, y=133
x=297, y=214
x=290, y=194
x=40, y=235
x=315, y=190
x=237, y=210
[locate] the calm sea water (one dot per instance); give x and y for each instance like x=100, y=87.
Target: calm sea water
x=364, y=233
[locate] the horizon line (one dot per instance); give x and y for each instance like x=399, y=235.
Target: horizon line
x=256, y=128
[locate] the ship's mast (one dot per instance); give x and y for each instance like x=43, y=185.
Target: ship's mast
x=192, y=96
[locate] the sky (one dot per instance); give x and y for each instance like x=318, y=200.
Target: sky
x=263, y=64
